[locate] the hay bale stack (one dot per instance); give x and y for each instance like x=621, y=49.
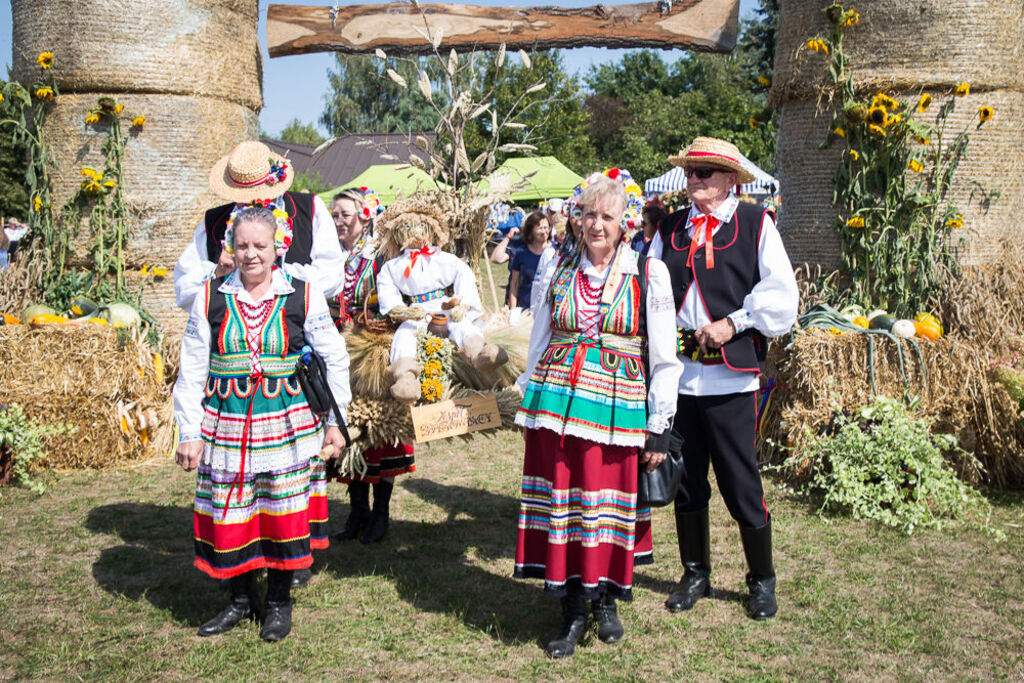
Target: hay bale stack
x=192, y=67
x=92, y=378
x=970, y=41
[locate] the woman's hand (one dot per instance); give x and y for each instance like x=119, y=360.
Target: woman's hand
x=188, y=454
x=225, y=264
x=713, y=336
x=334, y=439
x=653, y=459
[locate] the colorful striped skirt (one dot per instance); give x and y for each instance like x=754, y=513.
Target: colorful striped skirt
x=578, y=522
x=385, y=461
x=281, y=516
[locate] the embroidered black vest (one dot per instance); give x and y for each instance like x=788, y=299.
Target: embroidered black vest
x=294, y=313
x=723, y=288
x=299, y=206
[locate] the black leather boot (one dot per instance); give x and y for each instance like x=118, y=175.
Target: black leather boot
x=378, y=525
x=606, y=614
x=244, y=605
x=277, y=612
x=359, y=514
x=301, y=577
x=693, y=531
x=757, y=546
x=574, y=624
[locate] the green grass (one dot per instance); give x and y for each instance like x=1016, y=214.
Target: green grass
x=96, y=582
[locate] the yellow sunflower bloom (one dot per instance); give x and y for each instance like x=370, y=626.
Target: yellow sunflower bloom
x=817, y=45
x=893, y=120
x=915, y=166
x=764, y=80
x=963, y=90
x=45, y=59
x=432, y=345
x=878, y=115
x=1, y=97
x=851, y=19
x=753, y=123
x=431, y=389
x=89, y=172
x=855, y=222
x=922, y=140
x=955, y=223
x=145, y=270
x=159, y=272
x=839, y=132
x=109, y=184
x=37, y=204
x=877, y=130
x=139, y=121
x=118, y=109
x=93, y=117
x=432, y=368
x=855, y=155
x=44, y=93
x=924, y=103
x=985, y=113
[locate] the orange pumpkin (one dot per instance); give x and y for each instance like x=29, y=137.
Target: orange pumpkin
x=928, y=329
x=10, y=319
x=861, y=321
x=931, y=319
x=47, y=319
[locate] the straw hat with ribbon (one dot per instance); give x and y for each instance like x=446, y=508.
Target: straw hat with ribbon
x=251, y=172
x=713, y=152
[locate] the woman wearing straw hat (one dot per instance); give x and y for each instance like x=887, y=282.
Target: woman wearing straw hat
x=354, y=210
x=733, y=286
x=246, y=425
x=590, y=419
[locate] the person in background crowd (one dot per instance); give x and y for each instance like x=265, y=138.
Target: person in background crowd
x=509, y=244
x=5, y=244
x=525, y=260
x=653, y=213
x=734, y=287
x=14, y=231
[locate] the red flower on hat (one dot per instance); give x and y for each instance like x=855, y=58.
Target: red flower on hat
x=613, y=173
x=363, y=189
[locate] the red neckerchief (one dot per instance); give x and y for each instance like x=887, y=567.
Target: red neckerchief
x=425, y=251
x=708, y=223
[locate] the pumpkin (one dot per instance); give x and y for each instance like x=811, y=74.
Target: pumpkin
x=97, y=321
x=35, y=309
x=80, y=306
x=8, y=319
x=47, y=319
x=881, y=322
x=904, y=329
x=861, y=321
x=927, y=329
x=931, y=320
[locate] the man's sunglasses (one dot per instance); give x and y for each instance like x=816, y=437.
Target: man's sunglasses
x=703, y=172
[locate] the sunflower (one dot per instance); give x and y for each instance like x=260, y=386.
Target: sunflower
x=431, y=389
x=37, y=204
x=109, y=184
x=764, y=80
x=924, y=103
x=90, y=173
x=915, y=166
x=159, y=272
x=955, y=223
x=963, y=90
x=882, y=100
x=432, y=368
x=851, y=19
x=139, y=121
x=877, y=115
x=922, y=140
x=817, y=45
x=1, y=97
x=753, y=123
x=118, y=109
x=893, y=120
x=432, y=345
x=839, y=132
x=855, y=155
x=93, y=117
x=877, y=130
x=985, y=113
x=855, y=222
x=45, y=59
x=44, y=93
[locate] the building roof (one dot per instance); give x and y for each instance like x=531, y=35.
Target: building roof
x=341, y=160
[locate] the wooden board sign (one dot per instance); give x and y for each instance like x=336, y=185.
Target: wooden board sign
x=454, y=417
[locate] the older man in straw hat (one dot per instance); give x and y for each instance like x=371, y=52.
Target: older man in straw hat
x=733, y=287
x=253, y=174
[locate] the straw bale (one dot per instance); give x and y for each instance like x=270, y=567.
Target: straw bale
x=905, y=45
x=208, y=48
x=166, y=168
x=994, y=160
x=986, y=302
x=818, y=373
x=79, y=375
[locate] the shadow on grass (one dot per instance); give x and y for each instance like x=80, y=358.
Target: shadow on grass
x=155, y=561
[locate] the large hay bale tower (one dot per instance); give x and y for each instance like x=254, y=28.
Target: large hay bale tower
x=904, y=47
x=192, y=67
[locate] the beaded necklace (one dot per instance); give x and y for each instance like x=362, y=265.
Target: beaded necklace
x=254, y=318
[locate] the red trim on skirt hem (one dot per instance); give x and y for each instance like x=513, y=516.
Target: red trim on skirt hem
x=253, y=565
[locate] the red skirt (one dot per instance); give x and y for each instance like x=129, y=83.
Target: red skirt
x=385, y=461
x=578, y=522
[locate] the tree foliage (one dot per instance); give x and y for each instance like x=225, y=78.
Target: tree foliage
x=299, y=133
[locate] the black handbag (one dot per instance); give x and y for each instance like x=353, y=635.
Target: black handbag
x=658, y=488
x=312, y=374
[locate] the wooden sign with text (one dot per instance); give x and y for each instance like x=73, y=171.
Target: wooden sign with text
x=455, y=417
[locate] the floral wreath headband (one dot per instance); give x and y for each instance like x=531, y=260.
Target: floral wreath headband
x=632, y=215
x=371, y=204
x=282, y=234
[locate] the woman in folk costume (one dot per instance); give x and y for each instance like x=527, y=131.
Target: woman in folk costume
x=593, y=412
x=246, y=425
x=354, y=211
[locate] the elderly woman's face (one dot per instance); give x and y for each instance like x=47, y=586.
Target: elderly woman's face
x=602, y=223
x=712, y=191
x=347, y=221
x=254, y=250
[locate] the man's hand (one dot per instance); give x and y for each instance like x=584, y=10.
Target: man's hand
x=652, y=459
x=225, y=265
x=334, y=439
x=188, y=454
x=711, y=337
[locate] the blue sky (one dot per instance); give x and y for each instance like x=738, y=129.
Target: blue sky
x=293, y=87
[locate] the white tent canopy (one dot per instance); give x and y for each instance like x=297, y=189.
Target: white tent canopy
x=676, y=180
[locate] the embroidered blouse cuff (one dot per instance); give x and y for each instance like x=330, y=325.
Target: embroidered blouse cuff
x=658, y=424
x=190, y=436
x=657, y=443
x=741, y=319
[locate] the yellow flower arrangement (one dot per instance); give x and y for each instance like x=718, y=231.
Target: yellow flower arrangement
x=45, y=59
x=924, y=103
x=877, y=130
x=37, y=204
x=93, y=117
x=44, y=93
x=764, y=80
x=839, y=132
x=985, y=113
x=963, y=90
x=432, y=345
x=915, y=166
x=955, y=223
x=431, y=389
x=432, y=368
x=855, y=222
x=139, y=121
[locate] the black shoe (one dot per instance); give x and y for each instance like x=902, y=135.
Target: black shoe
x=693, y=531
x=359, y=514
x=277, y=621
x=606, y=614
x=574, y=624
x=757, y=546
x=241, y=607
x=301, y=577
x=376, y=529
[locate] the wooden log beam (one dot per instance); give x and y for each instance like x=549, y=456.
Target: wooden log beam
x=704, y=25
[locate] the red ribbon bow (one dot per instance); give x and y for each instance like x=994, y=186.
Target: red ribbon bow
x=425, y=251
x=708, y=223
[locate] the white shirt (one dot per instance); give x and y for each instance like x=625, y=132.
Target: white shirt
x=326, y=270
x=194, y=368
x=439, y=270
x=770, y=307
x=661, y=337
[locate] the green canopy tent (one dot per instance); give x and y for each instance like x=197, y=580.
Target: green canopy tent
x=388, y=181
x=552, y=179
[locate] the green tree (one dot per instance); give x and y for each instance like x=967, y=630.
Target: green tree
x=300, y=133
x=13, y=165
x=757, y=40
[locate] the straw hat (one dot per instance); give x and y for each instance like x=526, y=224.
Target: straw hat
x=713, y=152
x=251, y=172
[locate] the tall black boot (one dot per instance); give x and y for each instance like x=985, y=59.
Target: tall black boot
x=277, y=615
x=574, y=624
x=757, y=546
x=244, y=605
x=378, y=525
x=606, y=614
x=693, y=531
x=359, y=514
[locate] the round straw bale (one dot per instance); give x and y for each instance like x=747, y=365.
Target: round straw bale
x=165, y=170
x=175, y=47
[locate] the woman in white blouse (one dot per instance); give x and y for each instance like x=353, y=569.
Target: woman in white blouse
x=599, y=398
x=246, y=425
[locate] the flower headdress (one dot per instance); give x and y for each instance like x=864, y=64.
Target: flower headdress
x=371, y=204
x=632, y=215
x=282, y=234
